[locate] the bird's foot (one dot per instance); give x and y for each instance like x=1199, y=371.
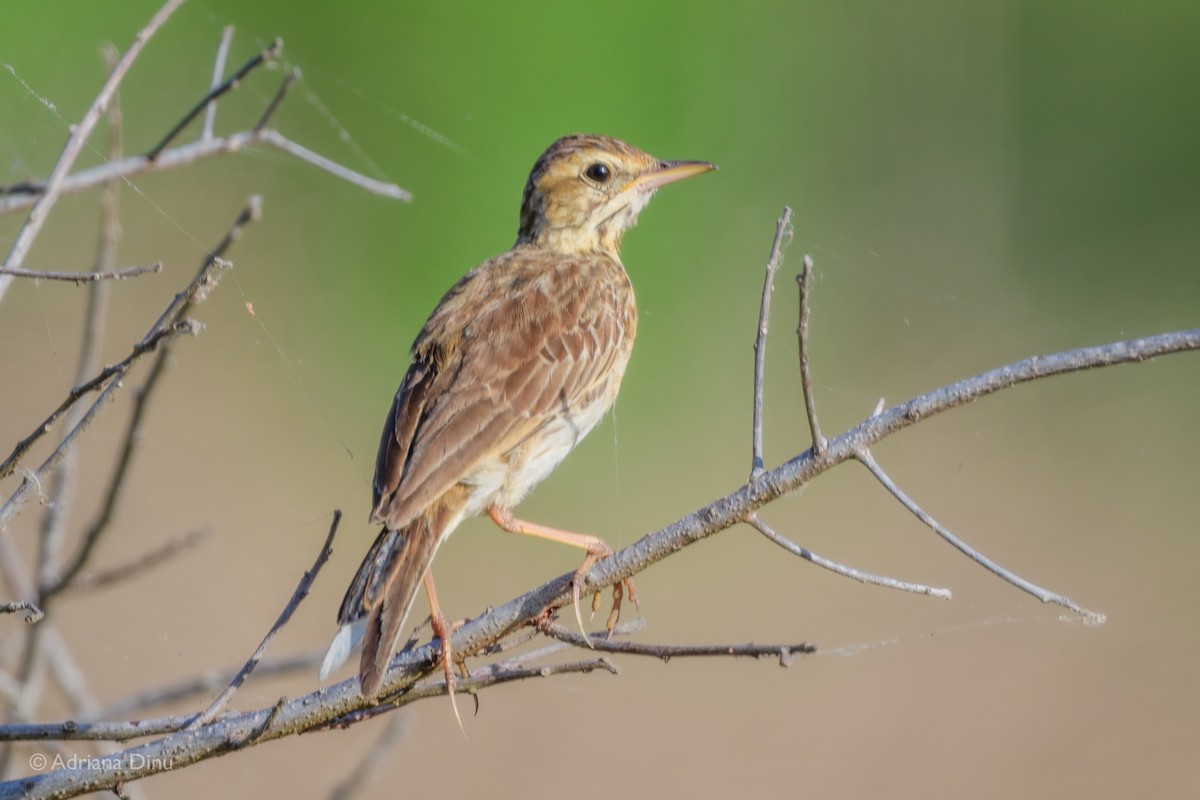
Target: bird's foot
x=620, y=590
x=443, y=629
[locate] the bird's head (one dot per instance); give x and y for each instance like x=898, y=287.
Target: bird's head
x=585, y=191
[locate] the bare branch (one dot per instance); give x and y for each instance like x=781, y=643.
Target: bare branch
x=1045, y=595
x=277, y=139
x=35, y=614
x=297, y=597
x=103, y=379
x=783, y=231
x=210, y=112
x=75, y=142
x=82, y=277
x=31, y=482
x=91, y=731
x=197, y=151
x=784, y=652
x=841, y=569
x=342, y=704
x=804, y=281
x=268, y=54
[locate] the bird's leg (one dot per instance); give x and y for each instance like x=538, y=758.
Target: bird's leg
x=442, y=629
x=596, y=549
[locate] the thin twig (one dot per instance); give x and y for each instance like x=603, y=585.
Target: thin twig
x=197, y=151
x=75, y=143
x=291, y=77
x=784, y=652
x=210, y=112
x=9, y=466
x=782, y=232
x=35, y=614
x=841, y=569
x=804, y=281
x=209, y=273
x=28, y=487
x=83, y=277
x=626, y=628
x=269, y=53
x=143, y=563
x=297, y=597
x=276, y=139
x=1046, y=596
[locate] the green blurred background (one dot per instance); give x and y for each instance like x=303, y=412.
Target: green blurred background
x=976, y=182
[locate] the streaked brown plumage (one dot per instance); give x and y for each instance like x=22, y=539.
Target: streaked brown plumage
x=520, y=359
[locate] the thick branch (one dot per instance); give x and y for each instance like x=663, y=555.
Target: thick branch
x=328, y=705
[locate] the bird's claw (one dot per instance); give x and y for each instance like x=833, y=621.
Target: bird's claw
x=620, y=590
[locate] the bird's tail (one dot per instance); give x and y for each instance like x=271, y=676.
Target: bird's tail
x=381, y=595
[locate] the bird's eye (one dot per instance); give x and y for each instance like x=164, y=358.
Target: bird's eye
x=598, y=173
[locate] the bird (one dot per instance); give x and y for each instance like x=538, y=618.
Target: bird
x=519, y=360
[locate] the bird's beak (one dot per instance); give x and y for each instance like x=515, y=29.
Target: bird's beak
x=669, y=172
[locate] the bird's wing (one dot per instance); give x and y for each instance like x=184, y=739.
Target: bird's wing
x=505, y=352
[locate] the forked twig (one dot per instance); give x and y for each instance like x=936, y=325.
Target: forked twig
x=270, y=53
x=105, y=376
x=75, y=143
x=29, y=486
x=1045, y=595
x=192, y=152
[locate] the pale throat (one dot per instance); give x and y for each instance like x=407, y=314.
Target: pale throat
x=603, y=229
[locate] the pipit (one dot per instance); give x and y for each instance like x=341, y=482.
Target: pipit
x=520, y=359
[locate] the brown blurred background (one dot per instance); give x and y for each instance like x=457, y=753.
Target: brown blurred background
x=977, y=183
